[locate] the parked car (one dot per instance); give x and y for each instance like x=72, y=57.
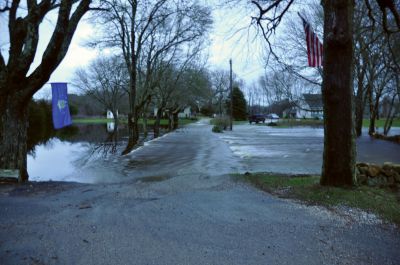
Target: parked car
x=256, y=118
x=273, y=116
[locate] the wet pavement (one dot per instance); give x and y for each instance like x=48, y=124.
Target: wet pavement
x=297, y=149
x=188, y=210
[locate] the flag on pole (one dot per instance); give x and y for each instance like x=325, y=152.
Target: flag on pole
x=61, y=115
x=314, y=46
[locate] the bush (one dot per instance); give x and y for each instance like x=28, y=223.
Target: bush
x=217, y=129
x=222, y=122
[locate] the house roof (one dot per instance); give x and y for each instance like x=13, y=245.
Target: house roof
x=314, y=101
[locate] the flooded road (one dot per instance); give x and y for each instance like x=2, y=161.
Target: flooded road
x=195, y=151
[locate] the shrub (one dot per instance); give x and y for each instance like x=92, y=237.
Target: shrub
x=222, y=122
x=217, y=129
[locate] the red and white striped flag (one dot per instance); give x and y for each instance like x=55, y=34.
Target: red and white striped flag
x=314, y=46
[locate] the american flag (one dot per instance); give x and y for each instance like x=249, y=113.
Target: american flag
x=314, y=46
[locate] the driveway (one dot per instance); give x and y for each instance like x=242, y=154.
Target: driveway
x=184, y=210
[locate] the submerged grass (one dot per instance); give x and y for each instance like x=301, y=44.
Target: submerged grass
x=381, y=123
x=382, y=202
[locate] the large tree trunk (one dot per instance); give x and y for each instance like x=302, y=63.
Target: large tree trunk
x=372, y=117
x=170, y=120
x=175, y=119
x=131, y=63
x=374, y=112
x=157, y=123
x=114, y=112
x=144, y=124
x=390, y=116
x=360, y=102
x=338, y=167
x=371, y=129
x=359, y=112
x=133, y=134
x=13, y=137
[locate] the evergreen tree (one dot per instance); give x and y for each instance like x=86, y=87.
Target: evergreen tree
x=239, y=104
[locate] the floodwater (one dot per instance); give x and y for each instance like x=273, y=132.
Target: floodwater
x=70, y=153
x=298, y=149
x=92, y=155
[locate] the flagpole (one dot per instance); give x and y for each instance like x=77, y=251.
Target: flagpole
x=230, y=88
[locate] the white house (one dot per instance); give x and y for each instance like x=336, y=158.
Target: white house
x=110, y=114
x=185, y=113
x=310, y=106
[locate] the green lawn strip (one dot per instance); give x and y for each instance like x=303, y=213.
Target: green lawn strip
x=383, y=202
x=91, y=120
x=381, y=123
x=240, y=122
x=301, y=122
x=186, y=121
x=163, y=122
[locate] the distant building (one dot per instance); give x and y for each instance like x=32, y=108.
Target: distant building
x=186, y=112
x=310, y=106
x=110, y=114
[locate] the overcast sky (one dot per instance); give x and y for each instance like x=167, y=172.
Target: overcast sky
x=231, y=37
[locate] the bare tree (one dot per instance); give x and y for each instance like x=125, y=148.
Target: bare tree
x=105, y=79
x=17, y=83
x=156, y=24
x=374, y=63
x=220, y=85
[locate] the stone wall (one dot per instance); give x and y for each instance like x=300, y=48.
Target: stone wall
x=387, y=175
x=394, y=138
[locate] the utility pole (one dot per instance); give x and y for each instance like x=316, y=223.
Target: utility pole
x=230, y=88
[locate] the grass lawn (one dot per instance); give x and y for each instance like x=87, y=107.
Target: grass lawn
x=287, y=123
x=91, y=120
x=381, y=123
x=382, y=202
x=240, y=122
x=104, y=120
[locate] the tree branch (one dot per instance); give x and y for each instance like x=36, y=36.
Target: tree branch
x=58, y=45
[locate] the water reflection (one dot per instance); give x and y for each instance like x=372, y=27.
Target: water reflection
x=110, y=127
x=55, y=159
x=66, y=154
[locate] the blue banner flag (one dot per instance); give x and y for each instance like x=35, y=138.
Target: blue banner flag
x=61, y=116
